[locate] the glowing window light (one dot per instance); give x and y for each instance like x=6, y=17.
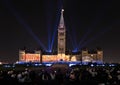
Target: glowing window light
x=87, y=59
x=73, y=58
x=0, y=63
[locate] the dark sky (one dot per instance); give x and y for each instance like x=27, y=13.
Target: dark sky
x=31, y=23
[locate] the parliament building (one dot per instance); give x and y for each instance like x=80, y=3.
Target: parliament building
x=85, y=55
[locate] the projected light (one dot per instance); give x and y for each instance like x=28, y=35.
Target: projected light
x=86, y=59
x=48, y=64
x=75, y=50
x=22, y=22
x=37, y=64
x=49, y=38
x=112, y=65
x=103, y=65
x=91, y=65
x=71, y=65
x=54, y=31
x=84, y=63
x=7, y=66
x=98, y=35
x=49, y=51
x=73, y=58
x=20, y=62
x=83, y=38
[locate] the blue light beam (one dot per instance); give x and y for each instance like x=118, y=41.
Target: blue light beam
x=49, y=19
x=71, y=40
x=21, y=21
x=56, y=23
x=98, y=35
x=75, y=40
x=99, y=16
x=73, y=35
x=84, y=37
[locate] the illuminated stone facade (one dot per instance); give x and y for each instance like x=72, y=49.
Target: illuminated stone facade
x=29, y=57
x=84, y=55
x=92, y=56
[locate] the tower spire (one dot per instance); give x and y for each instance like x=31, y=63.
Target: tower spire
x=61, y=25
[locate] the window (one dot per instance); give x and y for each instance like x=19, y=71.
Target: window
x=61, y=34
x=61, y=49
x=61, y=39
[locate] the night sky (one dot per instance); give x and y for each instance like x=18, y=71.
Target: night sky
x=33, y=23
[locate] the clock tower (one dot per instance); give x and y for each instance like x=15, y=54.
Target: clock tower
x=61, y=37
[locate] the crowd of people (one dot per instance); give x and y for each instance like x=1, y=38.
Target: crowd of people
x=78, y=75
